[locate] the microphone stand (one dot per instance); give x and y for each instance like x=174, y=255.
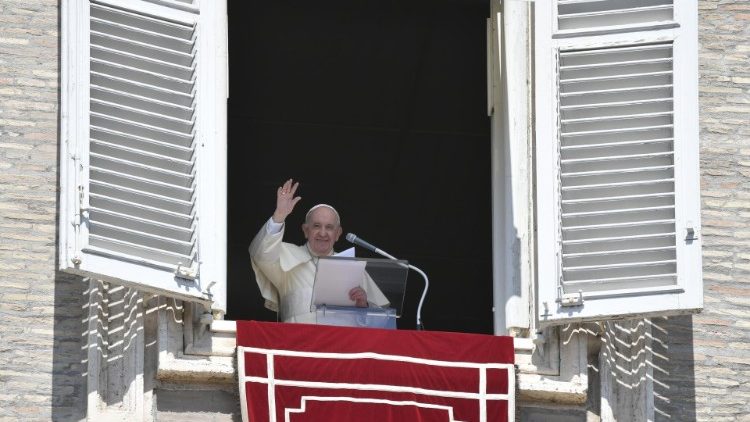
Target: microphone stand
x=424, y=292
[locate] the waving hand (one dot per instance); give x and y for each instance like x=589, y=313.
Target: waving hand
x=285, y=200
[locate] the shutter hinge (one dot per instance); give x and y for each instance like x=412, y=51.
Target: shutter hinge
x=690, y=232
x=570, y=299
x=189, y=273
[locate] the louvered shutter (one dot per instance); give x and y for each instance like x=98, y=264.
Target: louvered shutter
x=136, y=140
x=617, y=158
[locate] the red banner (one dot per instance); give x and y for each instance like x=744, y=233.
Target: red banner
x=300, y=372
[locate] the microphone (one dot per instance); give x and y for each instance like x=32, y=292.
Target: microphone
x=351, y=237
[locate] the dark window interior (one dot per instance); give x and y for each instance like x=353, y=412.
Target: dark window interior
x=379, y=109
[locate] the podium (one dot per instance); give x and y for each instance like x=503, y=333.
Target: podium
x=384, y=281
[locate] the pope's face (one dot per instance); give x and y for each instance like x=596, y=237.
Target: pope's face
x=322, y=231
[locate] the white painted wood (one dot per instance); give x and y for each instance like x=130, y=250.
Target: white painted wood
x=494, y=88
x=511, y=161
x=143, y=114
x=616, y=124
x=212, y=147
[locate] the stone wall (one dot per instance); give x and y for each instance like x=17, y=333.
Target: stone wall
x=706, y=375
x=40, y=312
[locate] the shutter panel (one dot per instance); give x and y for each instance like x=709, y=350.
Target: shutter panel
x=133, y=157
x=142, y=201
x=616, y=159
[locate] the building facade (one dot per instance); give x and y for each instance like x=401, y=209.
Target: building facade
x=77, y=348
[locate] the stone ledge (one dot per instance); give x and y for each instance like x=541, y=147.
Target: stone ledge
x=197, y=370
x=537, y=388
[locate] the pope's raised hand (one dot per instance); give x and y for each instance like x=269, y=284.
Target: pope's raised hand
x=285, y=200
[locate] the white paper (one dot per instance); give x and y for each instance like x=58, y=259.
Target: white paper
x=334, y=279
x=349, y=253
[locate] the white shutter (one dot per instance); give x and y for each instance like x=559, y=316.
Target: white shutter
x=133, y=143
x=617, y=158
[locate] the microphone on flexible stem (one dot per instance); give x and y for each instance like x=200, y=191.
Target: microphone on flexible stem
x=351, y=237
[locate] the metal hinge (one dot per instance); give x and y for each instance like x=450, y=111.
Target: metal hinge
x=189, y=273
x=690, y=232
x=572, y=299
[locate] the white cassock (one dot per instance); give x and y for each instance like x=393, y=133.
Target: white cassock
x=286, y=273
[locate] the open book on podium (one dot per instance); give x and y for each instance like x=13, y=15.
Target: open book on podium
x=384, y=281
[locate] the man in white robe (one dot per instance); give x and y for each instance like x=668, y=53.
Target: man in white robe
x=285, y=273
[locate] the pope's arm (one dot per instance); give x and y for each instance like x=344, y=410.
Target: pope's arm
x=265, y=250
x=264, y=256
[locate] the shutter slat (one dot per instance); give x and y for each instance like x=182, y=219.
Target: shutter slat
x=164, y=162
x=145, y=172
x=160, y=67
x=112, y=96
x=100, y=39
x=594, y=127
x=634, y=215
x=617, y=69
x=149, y=240
x=618, y=131
x=615, y=286
x=142, y=117
x=149, y=199
x=141, y=184
x=644, y=263
x=143, y=90
x=616, y=171
x=591, y=120
x=137, y=224
x=642, y=150
x=127, y=127
x=616, y=144
x=614, y=109
x=614, y=211
x=146, y=23
x=616, y=82
x=617, y=259
x=619, y=243
x=613, y=97
x=598, y=199
x=593, y=231
x=126, y=250
x=579, y=16
x=141, y=210
x=142, y=76
x=615, y=252
x=584, y=62
x=617, y=135
x=143, y=37
x=645, y=201
x=633, y=183
x=144, y=145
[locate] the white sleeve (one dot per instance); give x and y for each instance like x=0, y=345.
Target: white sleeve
x=273, y=227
